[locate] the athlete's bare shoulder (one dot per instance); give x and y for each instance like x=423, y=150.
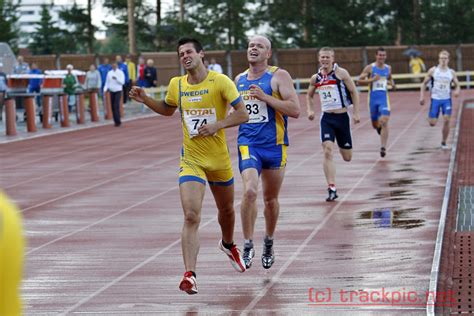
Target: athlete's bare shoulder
x=282, y=74
x=342, y=73
x=237, y=78
x=431, y=71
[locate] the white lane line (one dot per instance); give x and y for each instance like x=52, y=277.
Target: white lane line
x=431, y=301
x=292, y=258
x=99, y=221
x=112, y=215
x=89, y=163
x=76, y=128
x=86, y=148
x=153, y=257
x=96, y=185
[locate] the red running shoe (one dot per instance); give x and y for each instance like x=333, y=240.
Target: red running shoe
x=234, y=256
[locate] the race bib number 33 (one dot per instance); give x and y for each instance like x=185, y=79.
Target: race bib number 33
x=258, y=112
x=195, y=118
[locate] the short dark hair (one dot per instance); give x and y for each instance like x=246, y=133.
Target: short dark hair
x=185, y=40
x=380, y=49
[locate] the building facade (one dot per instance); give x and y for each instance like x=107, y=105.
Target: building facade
x=29, y=13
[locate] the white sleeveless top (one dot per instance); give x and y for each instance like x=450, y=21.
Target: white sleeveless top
x=441, y=84
x=332, y=91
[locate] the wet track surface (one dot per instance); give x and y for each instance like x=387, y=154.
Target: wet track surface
x=103, y=221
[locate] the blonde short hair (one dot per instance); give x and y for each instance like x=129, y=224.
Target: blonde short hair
x=444, y=51
x=326, y=49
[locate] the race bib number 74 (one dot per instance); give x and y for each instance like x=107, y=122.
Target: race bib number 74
x=195, y=118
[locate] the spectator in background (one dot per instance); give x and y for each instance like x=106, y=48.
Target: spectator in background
x=104, y=68
x=3, y=89
x=215, y=66
x=132, y=73
x=114, y=84
x=417, y=66
x=122, y=66
x=70, y=83
x=34, y=85
x=141, y=72
x=93, y=81
x=151, y=77
x=21, y=67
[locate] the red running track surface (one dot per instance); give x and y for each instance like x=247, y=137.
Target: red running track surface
x=103, y=221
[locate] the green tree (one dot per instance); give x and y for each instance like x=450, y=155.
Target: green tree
x=171, y=29
x=447, y=21
x=8, y=20
x=48, y=39
x=222, y=24
x=114, y=45
x=145, y=34
x=80, y=28
x=307, y=23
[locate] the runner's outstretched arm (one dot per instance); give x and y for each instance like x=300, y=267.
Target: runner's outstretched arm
x=160, y=107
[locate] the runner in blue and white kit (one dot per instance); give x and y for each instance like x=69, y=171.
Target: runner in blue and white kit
x=441, y=78
x=378, y=76
x=336, y=92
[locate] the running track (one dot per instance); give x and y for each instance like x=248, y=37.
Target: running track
x=103, y=220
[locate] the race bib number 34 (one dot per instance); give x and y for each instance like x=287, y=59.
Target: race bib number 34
x=329, y=96
x=195, y=118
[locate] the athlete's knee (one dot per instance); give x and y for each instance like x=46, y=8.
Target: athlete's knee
x=227, y=209
x=250, y=194
x=271, y=204
x=432, y=122
x=446, y=119
x=375, y=124
x=327, y=148
x=192, y=218
x=346, y=155
x=384, y=122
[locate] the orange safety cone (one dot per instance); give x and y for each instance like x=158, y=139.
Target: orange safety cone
x=10, y=117
x=30, y=114
x=108, y=106
x=47, y=111
x=93, y=101
x=64, y=110
x=81, y=109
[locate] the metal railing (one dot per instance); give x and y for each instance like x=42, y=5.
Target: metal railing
x=301, y=84
x=464, y=77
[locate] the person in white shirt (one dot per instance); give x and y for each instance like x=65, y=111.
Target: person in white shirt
x=114, y=83
x=215, y=66
x=442, y=78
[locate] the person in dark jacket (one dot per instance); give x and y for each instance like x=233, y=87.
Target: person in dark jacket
x=150, y=74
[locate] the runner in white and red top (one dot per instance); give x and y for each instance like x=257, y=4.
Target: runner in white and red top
x=336, y=92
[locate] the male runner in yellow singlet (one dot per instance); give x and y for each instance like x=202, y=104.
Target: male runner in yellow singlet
x=202, y=97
